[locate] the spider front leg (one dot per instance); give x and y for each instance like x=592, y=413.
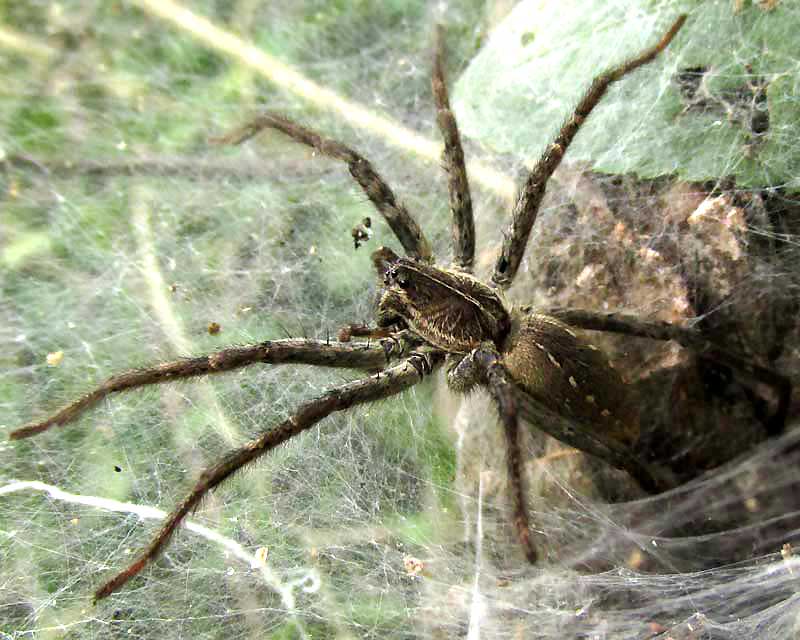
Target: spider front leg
x=394, y=342
x=383, y=385
x=530, y=196
x=405, y=228
x=356, y=356
x=463, y=225
x=350, y=331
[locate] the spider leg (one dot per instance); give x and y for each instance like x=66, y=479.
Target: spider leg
x=393, y=340
x=390, y=382
x=463, y=229
x=530, y=195
x=401, y=222
x=350, y=331
x=316, y=352
x=691, y=339
x=501, y=388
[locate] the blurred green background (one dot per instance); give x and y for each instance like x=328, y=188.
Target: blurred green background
x=125, y=233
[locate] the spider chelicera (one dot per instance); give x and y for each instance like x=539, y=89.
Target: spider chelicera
x=533, y=365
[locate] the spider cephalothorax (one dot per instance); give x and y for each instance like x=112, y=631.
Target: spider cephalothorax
x=532, y=365
x=450, y=310
x=457, y=313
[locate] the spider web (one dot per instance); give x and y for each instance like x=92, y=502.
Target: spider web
x=126, y=235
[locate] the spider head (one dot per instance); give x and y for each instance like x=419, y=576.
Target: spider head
x=448, y=309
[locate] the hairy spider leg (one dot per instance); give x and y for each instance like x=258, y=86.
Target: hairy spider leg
x=462, y=221
x=387, y=383
x=400, y=221
x=501, y=388
x=292, y=351
x=690, y=339
x=523, y=216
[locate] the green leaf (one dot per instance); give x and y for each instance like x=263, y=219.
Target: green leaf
x=524, y=84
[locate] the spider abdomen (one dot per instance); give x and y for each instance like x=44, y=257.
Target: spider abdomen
x=570, y=377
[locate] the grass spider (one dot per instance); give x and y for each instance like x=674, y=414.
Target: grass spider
x=533, y=365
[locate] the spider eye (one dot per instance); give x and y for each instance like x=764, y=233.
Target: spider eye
x=400, y=278
x=393, y=276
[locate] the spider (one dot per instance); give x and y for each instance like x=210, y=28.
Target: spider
x=533, y=365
